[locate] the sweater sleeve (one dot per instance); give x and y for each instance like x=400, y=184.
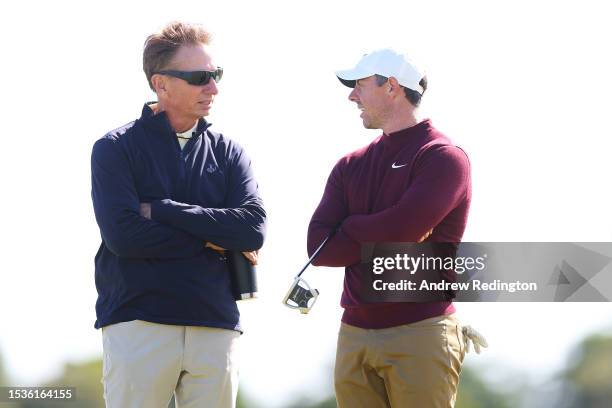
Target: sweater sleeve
x=241, y=226
x=441, y=181
x=340, y=250
x=117, y=209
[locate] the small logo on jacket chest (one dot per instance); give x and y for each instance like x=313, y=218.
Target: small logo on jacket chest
x=397, y=166
x=211, y=168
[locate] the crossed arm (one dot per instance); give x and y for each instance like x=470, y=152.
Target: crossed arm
x=439, y=185
x=340, y=249
x=173, y=229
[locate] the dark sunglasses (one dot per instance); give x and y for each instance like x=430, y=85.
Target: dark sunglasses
x=195, y=77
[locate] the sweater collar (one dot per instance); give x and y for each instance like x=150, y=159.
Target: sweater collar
x=159, y=122
x=408, y=135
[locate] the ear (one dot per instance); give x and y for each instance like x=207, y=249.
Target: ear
x=393, y=87
x=159, y=83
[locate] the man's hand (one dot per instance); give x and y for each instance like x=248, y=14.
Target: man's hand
x=424, y=237
x=215, y=248
x=145, y=210
x=252, y=256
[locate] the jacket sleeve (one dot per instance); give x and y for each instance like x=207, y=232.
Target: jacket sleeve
x=241, y=226
x=117, y=209
x=440, y=183
x=340, y=250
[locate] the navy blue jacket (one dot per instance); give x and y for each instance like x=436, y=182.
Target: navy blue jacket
x=158, y=270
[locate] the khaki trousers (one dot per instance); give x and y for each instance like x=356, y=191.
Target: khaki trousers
x=415, y=365
x=145, y=363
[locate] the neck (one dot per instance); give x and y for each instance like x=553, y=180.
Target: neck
x=399, y=121
x=178, y=122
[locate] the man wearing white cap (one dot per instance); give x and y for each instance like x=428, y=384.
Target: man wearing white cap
x=408, y=185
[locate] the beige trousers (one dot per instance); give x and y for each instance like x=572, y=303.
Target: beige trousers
x=415, y=365
x=145, y=363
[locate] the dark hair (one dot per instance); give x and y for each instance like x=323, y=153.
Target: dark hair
x=413, y=97
x=159, y=48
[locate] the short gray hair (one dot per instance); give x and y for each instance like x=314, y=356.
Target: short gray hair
x=159, y=48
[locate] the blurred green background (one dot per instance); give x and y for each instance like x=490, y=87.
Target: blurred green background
x=584, y=382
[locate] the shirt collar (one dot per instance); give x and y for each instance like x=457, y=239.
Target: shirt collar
x=188, y=133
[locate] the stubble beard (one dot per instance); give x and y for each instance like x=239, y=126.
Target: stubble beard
x=369, y=123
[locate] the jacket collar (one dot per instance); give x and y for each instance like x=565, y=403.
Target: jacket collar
x=159, y=123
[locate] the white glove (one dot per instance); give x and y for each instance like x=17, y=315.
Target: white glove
x=469, y=334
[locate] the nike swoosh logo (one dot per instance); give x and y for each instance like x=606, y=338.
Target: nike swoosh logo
x=396, y=166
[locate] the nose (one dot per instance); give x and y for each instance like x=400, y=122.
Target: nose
x=353, y=96
x=211, y=87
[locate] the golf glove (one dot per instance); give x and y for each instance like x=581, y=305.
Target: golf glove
x=471, y=335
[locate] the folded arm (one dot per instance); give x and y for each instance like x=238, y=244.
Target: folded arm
x=240, y=226
x=340, y=250
x=440, y=183
x=117, y=208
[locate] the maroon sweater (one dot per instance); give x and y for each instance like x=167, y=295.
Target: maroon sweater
x=393, y=190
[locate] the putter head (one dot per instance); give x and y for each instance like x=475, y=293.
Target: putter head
x=300, y=296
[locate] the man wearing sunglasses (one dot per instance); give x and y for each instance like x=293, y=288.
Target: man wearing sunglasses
x=170, y=195
x=411, y=183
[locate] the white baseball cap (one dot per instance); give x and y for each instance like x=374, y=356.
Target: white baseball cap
x=388, y=63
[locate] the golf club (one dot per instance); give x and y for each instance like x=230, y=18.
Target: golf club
x=300, y=295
